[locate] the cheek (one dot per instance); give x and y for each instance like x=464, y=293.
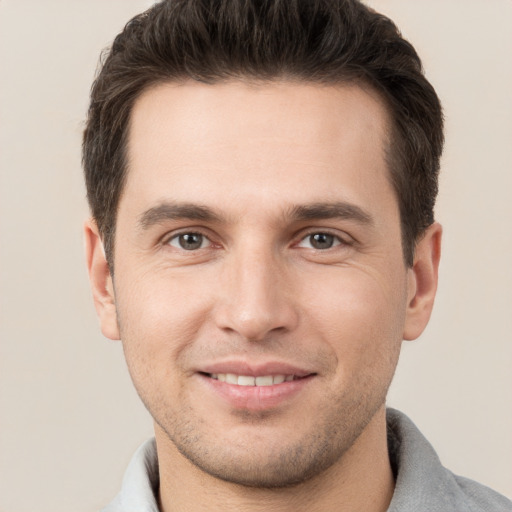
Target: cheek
x=158, y=319
x=360, y=315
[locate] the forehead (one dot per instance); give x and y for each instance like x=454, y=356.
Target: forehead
x=298, y=110
x=274, y=142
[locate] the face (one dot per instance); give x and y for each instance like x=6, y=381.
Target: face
x=260, y=290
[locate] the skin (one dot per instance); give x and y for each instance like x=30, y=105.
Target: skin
x=261, y=168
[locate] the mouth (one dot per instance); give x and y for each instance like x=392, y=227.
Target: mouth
x=250, y=380
x=256, y=388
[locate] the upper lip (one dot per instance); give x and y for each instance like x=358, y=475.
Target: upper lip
x=255, y=369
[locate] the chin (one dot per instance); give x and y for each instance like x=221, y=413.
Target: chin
x=266, y=455
x=288, y=467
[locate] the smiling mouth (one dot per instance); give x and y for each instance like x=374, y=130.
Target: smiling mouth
x=256, y=389
x=249, y=380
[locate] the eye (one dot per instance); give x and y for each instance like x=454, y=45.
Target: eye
x=189, y=241
x=320, y=241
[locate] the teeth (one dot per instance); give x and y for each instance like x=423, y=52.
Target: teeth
x=264, y=381
x=231, y=379
x=244, y=380
x=248, y=380
x=280, y=378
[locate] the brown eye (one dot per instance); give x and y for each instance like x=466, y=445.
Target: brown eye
x=189, y=241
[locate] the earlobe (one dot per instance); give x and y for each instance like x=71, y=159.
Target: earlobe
x=101, y=281
x=422, y=282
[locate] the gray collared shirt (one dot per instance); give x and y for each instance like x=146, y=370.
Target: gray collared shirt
x=422, y=483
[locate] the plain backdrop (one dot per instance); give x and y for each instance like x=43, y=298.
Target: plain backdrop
x=69, y=417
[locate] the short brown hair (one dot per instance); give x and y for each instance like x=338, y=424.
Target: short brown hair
x=317, y=41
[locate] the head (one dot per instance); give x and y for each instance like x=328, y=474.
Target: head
x=267, y=171
x=317, y=42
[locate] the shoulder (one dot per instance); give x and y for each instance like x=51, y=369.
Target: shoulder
x=423, y=484
x=481, y=498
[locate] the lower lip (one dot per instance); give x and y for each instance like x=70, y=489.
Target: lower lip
x=256, y=398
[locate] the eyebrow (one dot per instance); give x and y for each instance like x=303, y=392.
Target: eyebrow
x=317, y=211
x=176, y=211
x=337, y=210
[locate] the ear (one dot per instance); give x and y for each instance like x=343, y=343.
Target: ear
x=422, y=282
x=101, y=281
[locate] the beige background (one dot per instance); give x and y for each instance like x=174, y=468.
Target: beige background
x=69, y=418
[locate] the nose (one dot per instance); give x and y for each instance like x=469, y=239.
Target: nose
x=256, y=298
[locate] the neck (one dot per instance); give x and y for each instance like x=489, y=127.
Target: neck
x=362, y=480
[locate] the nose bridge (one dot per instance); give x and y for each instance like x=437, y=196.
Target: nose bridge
x=256, y=299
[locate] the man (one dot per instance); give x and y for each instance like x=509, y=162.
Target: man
x=262, y=177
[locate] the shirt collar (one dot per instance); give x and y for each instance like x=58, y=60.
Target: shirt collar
x=139, y=489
